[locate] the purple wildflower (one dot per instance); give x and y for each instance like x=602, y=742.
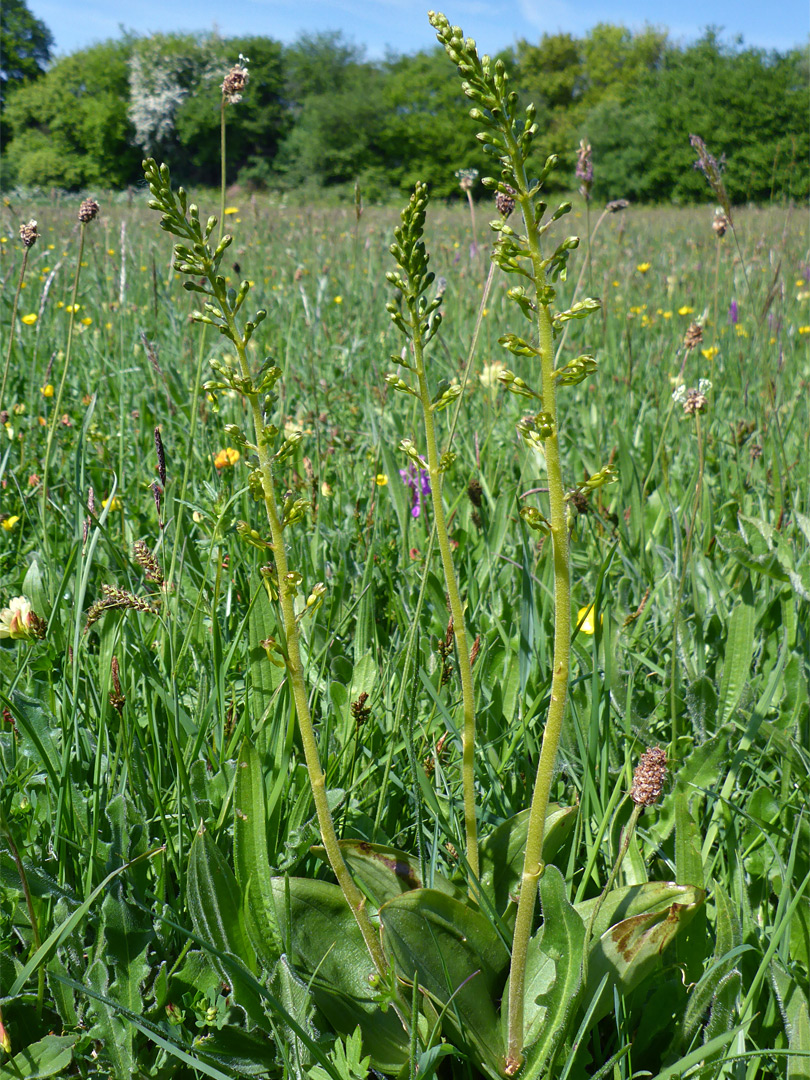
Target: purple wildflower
x=733, y=313
x=419, y=483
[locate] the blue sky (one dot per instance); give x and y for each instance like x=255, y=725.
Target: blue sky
x=401, y=25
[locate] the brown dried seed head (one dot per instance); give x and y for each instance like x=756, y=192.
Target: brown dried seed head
x=88, y=210
x=693, y=336
x=29, y=234
x=616, y=205
x=234, y=83
x=649, y=777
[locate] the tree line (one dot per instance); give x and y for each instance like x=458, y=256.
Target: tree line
x=319, y=114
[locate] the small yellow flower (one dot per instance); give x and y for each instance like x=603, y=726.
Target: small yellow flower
x=804, y=329
x=114, y=503
x=381, y=479
x=615, y=284
x=29, y=320
x=9, y=522
x=47, y=390
x=803, y=296
x=741, y=331
x=800, y=283
x=326, y=490
x=667, y=314
x=710, y=353
x=485, y=312
x=231, y=210
x=338, y=300
x=685, y=310
x=642, y=269
x=586, y=621
x=86, y=321
x=72, y=308
x=226, y=458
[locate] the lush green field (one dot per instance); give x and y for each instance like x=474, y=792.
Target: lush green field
x=120, y=738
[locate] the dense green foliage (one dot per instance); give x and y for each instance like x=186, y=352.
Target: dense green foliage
x=25, y=47
x=697, y=561
x=318, y=114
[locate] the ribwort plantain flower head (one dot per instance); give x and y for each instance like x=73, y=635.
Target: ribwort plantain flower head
x=649, y=777
x=235, y=81
x=29, y=234
x=88, y=211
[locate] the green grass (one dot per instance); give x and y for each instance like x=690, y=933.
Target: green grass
x=701, y=640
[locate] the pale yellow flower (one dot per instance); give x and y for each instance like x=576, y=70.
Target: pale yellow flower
x=489, y=376
x=18, y=620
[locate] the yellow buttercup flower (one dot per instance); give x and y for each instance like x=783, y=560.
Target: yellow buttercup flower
x=337, y=300
x=47, y=390
x=231, y=210
x=29, y=320
x=114, y=503
x=586, y=621
x=9, y=522
x=226, y=458
x=685, y=310
x=642, y=269
x=710, y=353
x=381, y=479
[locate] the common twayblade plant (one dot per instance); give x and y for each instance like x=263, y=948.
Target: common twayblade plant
x=459, y=967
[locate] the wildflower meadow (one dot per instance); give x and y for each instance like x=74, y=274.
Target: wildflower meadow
x=404, y=658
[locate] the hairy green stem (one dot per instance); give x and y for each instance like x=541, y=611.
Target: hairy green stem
x=456, y=606
x=532, y=864
x=295, y=670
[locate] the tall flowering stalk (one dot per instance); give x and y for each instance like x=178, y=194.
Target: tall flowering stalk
x=419, y=321
x=88, y=211
x=196, y=258
x=507, y=137
x=29, y=236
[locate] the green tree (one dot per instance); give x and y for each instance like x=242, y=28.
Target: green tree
x=255, y=125
x=748, y=105
x=333, y=96
x=25, y=47
x=422, y=136
x=70, y=127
